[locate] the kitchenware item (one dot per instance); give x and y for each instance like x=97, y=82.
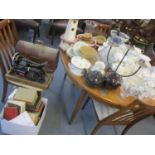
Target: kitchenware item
x=88, y=53
x=124, y=37
x=70, y=52
x=99, y=66
x=93, y=78
x=77, y=46
x=76, y=71
x=80, y=62
x=100, y=39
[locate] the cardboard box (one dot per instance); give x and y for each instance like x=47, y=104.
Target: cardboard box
x=15, y=129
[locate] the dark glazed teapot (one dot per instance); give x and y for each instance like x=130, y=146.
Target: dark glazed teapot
x=93, y=78
x=111, y=80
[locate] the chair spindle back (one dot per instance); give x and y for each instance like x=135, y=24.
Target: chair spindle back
x=8, y=39
x=135, y=112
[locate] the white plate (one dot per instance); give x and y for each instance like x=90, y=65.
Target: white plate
x=80, y=62
x=77, y=46
x=70, y=52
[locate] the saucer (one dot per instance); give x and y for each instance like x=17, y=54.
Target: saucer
x=80, y=62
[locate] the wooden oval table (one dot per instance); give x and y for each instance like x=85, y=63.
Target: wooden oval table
x=110, y=97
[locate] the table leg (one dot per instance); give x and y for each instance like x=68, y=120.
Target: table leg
x=78, y=105
x=86, y=102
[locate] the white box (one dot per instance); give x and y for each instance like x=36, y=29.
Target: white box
x=15, y=129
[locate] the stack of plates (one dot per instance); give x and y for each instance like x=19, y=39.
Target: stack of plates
x=78, y=64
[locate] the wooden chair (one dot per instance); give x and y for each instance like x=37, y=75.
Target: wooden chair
x=8, y=47
x=97, y=28
x=127, y=116
x=59, y=26
x=33, y=24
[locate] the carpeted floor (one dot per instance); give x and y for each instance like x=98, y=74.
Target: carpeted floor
x=62, y=95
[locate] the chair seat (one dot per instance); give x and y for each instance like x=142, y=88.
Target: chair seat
x=60, y=23
x=105, y=21
x=79, y=30
x=63, y=24
x=27, y=23
x=103, y=110
x=12, y=78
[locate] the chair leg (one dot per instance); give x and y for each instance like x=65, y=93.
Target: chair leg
x=97, y=127
x=38, y=32
x=34, y=36
x=53, y=35
x=86, y=102
x=65, y=76
x=127, y=128
x=5, y=89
